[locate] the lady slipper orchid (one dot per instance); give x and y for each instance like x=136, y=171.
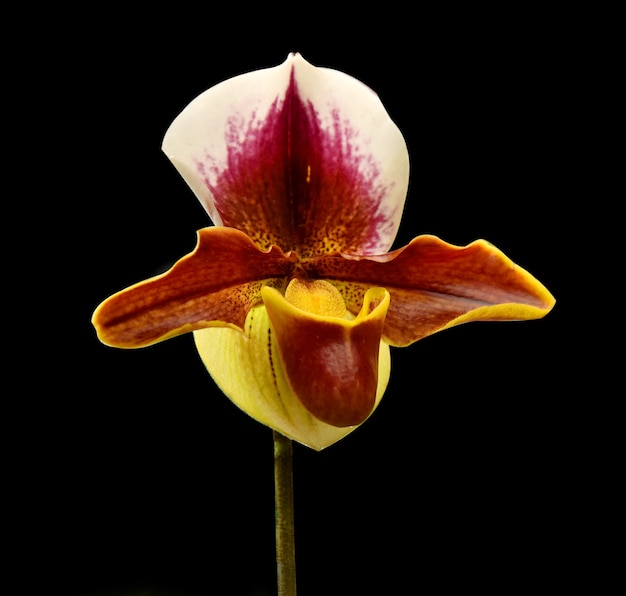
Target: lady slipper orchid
x=292, y=295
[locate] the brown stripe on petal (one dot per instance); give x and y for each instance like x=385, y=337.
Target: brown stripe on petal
x=215, y=285
x=435, y=285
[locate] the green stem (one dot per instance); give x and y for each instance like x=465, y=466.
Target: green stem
x=285, y=547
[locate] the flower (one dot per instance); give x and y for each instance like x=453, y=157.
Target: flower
x=292, y=295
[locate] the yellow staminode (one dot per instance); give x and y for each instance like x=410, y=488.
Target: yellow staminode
x=317, y=297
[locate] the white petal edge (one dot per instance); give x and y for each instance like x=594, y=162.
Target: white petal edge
x=200, y=129
x=378, y=137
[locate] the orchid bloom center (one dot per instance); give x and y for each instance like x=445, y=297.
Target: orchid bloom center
x=317, y=297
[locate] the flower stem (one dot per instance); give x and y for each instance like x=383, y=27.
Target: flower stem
x=283, y=485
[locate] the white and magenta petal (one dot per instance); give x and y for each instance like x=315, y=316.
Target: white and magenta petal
x=296, y=156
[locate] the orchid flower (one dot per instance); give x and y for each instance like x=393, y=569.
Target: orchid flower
x=292, y=295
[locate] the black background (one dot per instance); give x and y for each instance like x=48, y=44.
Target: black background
x=147, y=480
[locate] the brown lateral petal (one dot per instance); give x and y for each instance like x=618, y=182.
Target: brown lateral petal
x=331, y=364
x=215, y=285
x=435, y=285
